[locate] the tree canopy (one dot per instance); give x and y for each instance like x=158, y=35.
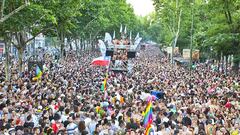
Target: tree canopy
x=216, y=27
x=76, y=20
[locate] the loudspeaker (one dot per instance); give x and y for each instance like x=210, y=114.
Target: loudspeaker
x=109, y=53
x=131, y=54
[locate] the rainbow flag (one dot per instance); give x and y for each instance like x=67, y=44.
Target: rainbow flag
x=104, y=84
x=148, y=114
x=38, y=73
x=149, y=130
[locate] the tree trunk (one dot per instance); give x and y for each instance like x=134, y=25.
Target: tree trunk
x=70, y=43
x=236, y=62
x=176, y=36
x=20, y=59
x=76, y=46
x=222, y=63
x=81, y=44
x=84, y=45
x=62, y=43
x=226, y=64
x=88, y=45
x=219, y=61
x=7, y=74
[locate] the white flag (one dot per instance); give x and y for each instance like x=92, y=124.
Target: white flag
x=137, y=36
x=121, y=29
x=114, y=34
x=137, y=41
x=108, y=37
x=125, y=30
x=102, y=47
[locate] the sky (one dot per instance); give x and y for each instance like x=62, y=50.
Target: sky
x=142, y=7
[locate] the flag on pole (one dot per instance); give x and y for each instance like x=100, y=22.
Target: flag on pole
x=137, y=36
x=149, y=130
x=148, y=114
x=101, y=61
x=121, y=29
x=108, y=37
x=38, y=73
x=114, y=34
x=102, y=47
x=104, y=84
x=148, y=118
x=125, y=30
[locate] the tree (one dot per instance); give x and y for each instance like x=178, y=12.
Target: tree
x=216, y=27
x=25, y=25
x=4, y=17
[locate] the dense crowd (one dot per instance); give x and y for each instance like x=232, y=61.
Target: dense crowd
x=69, y=100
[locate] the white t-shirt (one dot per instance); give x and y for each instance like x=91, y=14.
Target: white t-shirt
x=64, y=117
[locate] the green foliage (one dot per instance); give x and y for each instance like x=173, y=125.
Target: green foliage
x=216, y=26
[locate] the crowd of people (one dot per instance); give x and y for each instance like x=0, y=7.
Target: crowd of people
x=68, y=99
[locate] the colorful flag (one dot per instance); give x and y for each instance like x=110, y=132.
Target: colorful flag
x=149, y=130
x=121, y=99
x=101, y=61
x=98, y=109
x=104, y=84
x=38, y=73
x=148, y=114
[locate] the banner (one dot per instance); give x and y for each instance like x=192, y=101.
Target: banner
x=102, y=47
x=137, y=36
x=186, y=53
x=114, y=35
x=137, y=41
x=125, y=30
x=121, y=29
x=108, y=38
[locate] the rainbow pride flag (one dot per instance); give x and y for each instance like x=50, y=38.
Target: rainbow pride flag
x=148, y=115
x=104, y=84
x=149, y=130
x=38, y=73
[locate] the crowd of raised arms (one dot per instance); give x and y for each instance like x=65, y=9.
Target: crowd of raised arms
x=68, y=99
